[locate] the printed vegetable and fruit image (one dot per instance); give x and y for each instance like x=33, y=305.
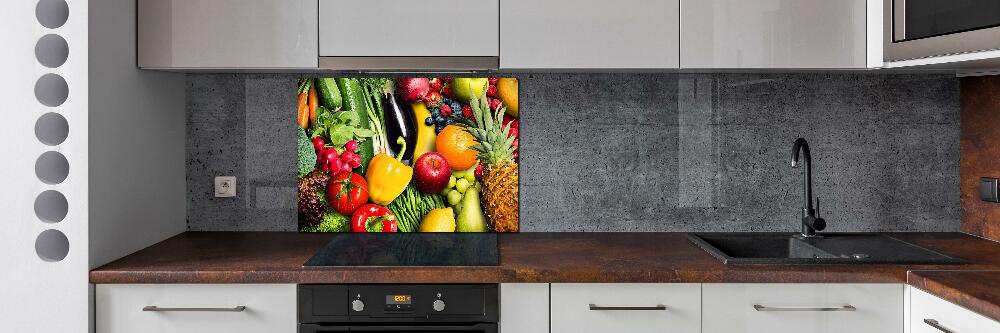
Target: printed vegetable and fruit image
x=407, y=155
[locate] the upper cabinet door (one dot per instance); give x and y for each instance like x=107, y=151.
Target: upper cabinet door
x=408, y=28
x=227, y=34
x=584, y=34
x=773, y=34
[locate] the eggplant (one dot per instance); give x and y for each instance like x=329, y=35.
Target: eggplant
x=398, y=123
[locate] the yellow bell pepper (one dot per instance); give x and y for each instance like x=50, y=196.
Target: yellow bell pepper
x=387, y=177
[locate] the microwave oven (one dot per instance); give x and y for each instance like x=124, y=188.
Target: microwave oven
x=915, y=29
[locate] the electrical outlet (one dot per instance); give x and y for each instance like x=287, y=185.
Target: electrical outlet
x=988, y=189
x=225, y=187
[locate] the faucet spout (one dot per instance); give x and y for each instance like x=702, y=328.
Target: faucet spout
x=810, y=222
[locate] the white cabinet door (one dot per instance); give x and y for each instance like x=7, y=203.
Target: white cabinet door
x=407, y=28
x=773, y=34
x=777, y=308
x=227, y=34
x=524, y=308
x=626, y=307
x=930, y=314
x=269, y=308
x=589, y=34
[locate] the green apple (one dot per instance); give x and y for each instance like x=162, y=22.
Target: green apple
x=460, y=87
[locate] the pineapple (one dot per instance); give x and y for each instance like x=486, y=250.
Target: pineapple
x=496, y=150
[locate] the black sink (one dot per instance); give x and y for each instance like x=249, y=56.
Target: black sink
x=786, y=248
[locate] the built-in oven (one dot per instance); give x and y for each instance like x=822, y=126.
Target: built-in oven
x=916, y=29
x=384, y=308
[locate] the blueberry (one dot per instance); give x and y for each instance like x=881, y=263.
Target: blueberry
x=439, y=127
x=435, y=113
x=451, y=121
x=440, y=120
x=446, y=100
x=456, y=107
x=429, y=121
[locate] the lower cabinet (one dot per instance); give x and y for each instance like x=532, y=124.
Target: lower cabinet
x=626, y=307
x=195, y=308
x=816, y=308
x=524, y=307
x=930, y=314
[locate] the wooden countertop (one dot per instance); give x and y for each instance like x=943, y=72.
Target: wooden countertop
x=277, y=257
x=978, y=291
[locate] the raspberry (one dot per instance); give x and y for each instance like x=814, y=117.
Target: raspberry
x=467, y=112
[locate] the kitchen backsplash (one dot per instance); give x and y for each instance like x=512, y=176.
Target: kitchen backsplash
x=640, y=152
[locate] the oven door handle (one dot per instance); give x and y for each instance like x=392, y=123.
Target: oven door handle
x=481, y=327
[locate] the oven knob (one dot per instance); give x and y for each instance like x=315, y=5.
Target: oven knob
x=358, y=305
x=438, y=305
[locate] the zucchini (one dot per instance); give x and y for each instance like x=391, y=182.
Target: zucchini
x=329, y=94
x=354, y=101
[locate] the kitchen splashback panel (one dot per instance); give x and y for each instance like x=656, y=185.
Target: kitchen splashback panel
x=410, y=154
x=640, y=152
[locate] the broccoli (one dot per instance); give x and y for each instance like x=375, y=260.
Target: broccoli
x=307, y=154
x=332, y=222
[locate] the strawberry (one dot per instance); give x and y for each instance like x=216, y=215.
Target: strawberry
x=445, y=111
x=514, y=125
x=493, y=80
x=479, y=170
x=436, y=84
x=432, y=99
x=494, y=104
x=491, y=91
x=447, y=91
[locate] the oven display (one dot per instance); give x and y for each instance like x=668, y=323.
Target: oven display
x=398, y=299
x=398, y=302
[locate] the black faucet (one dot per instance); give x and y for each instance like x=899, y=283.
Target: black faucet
x=810, y=221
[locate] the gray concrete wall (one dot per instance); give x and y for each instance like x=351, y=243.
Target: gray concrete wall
x=641, y=152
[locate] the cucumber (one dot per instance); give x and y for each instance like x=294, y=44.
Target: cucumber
x=329, y=94
x=354, y=101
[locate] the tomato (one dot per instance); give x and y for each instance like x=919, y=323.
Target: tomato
x=347, y=191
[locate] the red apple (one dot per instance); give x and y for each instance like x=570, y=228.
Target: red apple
x=431, y=173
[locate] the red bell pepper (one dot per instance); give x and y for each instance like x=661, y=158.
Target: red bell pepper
x=373, y=218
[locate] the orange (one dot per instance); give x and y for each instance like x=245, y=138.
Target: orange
x=455, y=143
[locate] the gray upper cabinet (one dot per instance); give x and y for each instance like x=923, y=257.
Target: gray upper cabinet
x=195, y=34
x=589, y=34
x=774, y=34
x=408, y=34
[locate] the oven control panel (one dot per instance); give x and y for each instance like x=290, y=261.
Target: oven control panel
x=398, y=303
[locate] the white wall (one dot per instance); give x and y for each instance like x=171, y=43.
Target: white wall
x=124, y=186
x=37, y=295
x=137, y=187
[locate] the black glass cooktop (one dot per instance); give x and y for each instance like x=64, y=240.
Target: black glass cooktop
x=409, y=249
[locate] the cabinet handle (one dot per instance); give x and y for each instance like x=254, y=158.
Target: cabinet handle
x=159, y=309
x=660, y=307
x=935, y=324
x=848, y=307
